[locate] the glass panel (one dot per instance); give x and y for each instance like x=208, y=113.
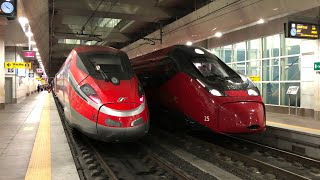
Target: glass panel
x=239, y=52
x=285, y=97
x=253, y=68
x=270, y=70
x=292, y=46
x=271, y=46
x=270, y=93
x=226, y=54
x=216, y=51
x=259, y=86
x=290, y=69
x=254, y=49
x=239, y=67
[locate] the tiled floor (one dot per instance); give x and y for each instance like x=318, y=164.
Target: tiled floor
x=296, y=123
x=18, y=128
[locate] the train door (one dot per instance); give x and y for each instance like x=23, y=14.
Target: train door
x=8, y=90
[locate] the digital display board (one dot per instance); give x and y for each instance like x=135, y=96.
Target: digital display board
x=8, y=8
x=302, y=30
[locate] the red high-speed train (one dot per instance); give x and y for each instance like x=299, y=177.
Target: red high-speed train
x=100, y=94
x=192, y=81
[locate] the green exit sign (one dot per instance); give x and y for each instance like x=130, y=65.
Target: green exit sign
x=316, y=66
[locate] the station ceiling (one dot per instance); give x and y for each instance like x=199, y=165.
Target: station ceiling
x=60, y=25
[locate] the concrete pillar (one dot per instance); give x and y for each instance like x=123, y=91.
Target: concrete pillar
x=317, y=88
x=3, y=23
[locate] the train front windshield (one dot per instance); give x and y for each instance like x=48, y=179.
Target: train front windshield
x=212, y=68
x=116, y=65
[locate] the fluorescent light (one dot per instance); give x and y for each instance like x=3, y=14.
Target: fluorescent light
x=29, y=34
x=35, y=49
x=218, y=34
x=261, y=21
x=189, y=43
x=23, y=21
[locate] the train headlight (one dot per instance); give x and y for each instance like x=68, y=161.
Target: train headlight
x=215, y=92
x=252, y=92
x=110, y=122
x=90, y=93
x=140, y=93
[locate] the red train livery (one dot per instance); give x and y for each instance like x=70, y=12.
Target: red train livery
x=192, y=81
x=101, y=95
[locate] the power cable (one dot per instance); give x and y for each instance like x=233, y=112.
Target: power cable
x=82, y=28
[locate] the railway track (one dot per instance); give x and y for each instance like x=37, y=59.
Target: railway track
x=144, y=160
x=99, y=160
x=242, y=158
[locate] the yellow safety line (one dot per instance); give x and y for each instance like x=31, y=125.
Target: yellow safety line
x=40, y=161
x=292, y=126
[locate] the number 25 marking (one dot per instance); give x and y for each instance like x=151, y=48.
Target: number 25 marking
x=206, y=118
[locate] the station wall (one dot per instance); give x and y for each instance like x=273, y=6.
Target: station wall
x=22, y=85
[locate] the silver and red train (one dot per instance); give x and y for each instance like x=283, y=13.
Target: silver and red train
x=192, y=81
x=100, y=94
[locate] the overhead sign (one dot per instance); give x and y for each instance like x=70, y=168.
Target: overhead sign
x=8, y=8
x=302, y=30
x=292, y=90
x=316, y=66
x=29, y=54
x=17, y=65
x=255, y=78
x=39, y=70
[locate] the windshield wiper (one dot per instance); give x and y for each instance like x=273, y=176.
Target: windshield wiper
x=97, y=67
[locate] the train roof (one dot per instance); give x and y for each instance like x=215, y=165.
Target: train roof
x=156, y=55
x=87, y=48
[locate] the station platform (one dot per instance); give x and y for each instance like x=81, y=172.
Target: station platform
x=294, y=123
x=32, y=141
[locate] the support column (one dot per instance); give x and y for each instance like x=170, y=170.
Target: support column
x=3, y=23
x=317, y=88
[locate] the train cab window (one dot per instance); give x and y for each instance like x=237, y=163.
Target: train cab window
x=111, y=66
x=211, y=68
x=117, y=65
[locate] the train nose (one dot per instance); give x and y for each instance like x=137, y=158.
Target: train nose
x=241, y=117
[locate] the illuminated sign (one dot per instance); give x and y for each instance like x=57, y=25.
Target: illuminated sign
x=8, y=8
x=29, y=54
x=17, y=65
x=302, y=30
x=255, y=78
x=39, y=70
x=316, y=66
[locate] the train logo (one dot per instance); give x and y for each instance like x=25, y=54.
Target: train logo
x=121, y=99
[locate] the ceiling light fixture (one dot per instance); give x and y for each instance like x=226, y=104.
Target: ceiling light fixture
x=23, y=21
x=29, y=34
x=218, y=34
x=261, y=21
x=189, y=43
